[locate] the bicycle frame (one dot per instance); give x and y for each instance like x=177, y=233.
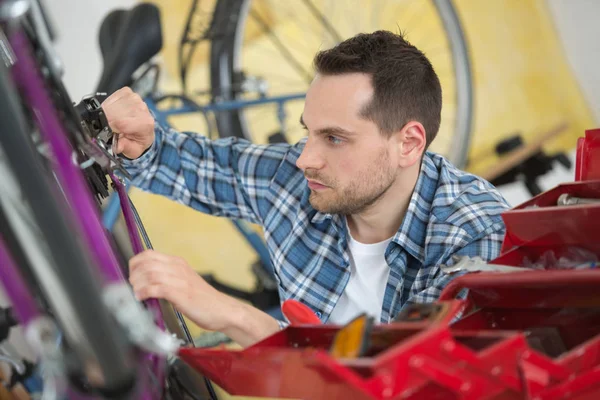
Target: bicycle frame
x=26, y=308
x=27, y=77
x=190, y=107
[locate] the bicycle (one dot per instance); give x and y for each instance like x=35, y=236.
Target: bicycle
x=245, y=100
x=64, y=278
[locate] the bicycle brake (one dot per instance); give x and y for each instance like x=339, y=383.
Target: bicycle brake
x=138, y=321
x=103, y=144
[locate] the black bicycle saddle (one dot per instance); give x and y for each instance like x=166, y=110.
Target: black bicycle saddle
x=128, y=39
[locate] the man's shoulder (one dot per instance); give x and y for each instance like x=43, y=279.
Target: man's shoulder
x=287, y=172
x=277, y=161
x=287, y=188
x=463, y=200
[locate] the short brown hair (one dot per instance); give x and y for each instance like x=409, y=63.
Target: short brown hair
x=405, y=85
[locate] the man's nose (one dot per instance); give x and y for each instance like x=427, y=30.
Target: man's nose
x=310, y=157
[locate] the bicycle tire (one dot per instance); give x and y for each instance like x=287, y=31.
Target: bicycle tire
x=225, y=65
x=227, y=15
x=459, y=151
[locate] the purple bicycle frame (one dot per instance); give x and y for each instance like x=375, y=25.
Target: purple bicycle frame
x=26, y=308
x=28, y=79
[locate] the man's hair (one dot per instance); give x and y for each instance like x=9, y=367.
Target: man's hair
x=405, y=85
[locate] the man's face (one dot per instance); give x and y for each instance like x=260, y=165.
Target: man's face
x=348, y=163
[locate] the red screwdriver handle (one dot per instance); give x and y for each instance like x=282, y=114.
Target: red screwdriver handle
x=298, y=313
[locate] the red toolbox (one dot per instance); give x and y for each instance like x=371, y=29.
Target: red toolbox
x=522, y=335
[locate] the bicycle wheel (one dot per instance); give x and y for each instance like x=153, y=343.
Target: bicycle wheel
x=53, y=252
x=267, y=43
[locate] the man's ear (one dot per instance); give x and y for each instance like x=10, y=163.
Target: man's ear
x=411, y=143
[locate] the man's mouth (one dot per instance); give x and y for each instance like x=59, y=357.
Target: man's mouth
x=316, y=185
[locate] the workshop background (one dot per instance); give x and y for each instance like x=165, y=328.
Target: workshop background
x=534, y=69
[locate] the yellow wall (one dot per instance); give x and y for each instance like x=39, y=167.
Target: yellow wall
x=522, y=84
x=522, y=80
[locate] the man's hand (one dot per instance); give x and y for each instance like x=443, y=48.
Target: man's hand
x=156, y=275
x=129, y=117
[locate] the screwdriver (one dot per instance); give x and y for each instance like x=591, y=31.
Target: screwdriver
x=566, y=199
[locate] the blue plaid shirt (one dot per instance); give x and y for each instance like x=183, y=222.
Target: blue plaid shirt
x=450, y=213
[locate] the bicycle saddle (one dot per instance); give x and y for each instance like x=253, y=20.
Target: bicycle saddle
x=128, y=39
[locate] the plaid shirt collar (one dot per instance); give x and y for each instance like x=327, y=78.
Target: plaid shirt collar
x=411, y=240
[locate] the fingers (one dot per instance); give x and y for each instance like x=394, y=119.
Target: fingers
x=156, y=275
x=135, y=115
x=157, y=280
x=121, y=144
x=119, y=94
x=125, y=124
x=151, y=260
x=156, y=283
x=128, y=115
x=147, y=257
x=127, y=104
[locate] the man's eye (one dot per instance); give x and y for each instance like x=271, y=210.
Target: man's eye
x=334, y=140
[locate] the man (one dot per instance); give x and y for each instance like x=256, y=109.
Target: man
x=358, y=217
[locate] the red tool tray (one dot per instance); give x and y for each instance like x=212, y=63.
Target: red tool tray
x=523, y=335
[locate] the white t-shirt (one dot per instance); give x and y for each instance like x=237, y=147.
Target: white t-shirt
x=369, y=273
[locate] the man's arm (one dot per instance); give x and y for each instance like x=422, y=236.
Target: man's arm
x=251, y=325
x=156, y=275
x=225, y=177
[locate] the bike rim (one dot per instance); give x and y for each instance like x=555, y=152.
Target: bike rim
x=433, y=26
